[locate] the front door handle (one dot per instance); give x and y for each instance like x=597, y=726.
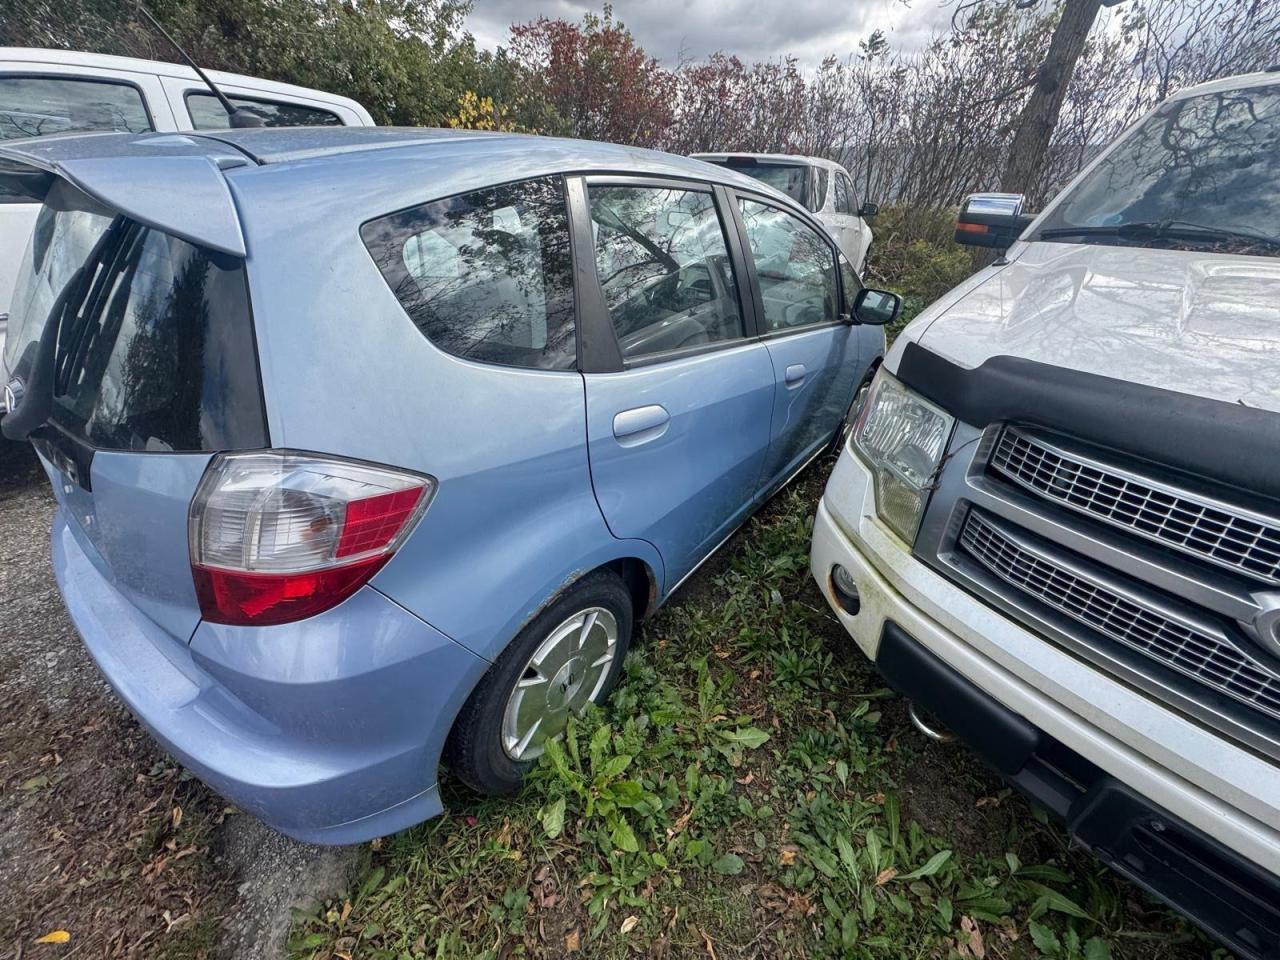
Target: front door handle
x=640, y=424
x=795, y=374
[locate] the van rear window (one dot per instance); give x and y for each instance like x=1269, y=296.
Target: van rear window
x=155, y=347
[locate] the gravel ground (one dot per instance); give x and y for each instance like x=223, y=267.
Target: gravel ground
x=101, y=835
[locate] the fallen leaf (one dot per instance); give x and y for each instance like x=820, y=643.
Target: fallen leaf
x=772, y=897
x=175, y=816
x=787, y=856
x=976, y=946
x=629, y=924
x=876, y=798
x=801, y=906
x=884, y=876
x=55, y=936
x=749, y=778
x=706, y=942
x=572, y=941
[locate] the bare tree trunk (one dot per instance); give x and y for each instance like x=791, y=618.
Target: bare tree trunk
x=1029, y=151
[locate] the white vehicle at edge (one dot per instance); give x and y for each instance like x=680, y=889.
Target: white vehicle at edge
x=823, y=186
x=44, y=92
x=1056, y=526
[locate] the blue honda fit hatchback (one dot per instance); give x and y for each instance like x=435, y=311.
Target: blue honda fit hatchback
x=370, y=447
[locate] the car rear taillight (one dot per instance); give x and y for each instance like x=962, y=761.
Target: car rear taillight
x=278, y=536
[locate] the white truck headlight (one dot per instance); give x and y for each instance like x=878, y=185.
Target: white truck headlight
x=902, y=437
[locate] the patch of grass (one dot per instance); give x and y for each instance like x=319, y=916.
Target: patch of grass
x=915, y=255
x=751, y=790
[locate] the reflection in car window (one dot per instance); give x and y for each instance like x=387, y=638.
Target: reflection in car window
x=664, y=267
x=39, y=106
x=486, y=275
x=208, y=114
x=62, y=240
x=158, y=353
x=1209, y=161
x=795, y=266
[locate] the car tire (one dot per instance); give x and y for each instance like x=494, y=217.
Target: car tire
x=484, y=748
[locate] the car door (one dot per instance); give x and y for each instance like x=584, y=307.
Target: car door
x=679, y=392
x=841, y=220
x=794, y=278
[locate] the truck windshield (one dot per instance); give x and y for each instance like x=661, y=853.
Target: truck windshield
x=1201, y=173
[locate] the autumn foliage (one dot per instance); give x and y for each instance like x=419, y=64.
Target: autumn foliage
x=591, y=80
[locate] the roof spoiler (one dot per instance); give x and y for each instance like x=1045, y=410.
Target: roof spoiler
x=185, y=195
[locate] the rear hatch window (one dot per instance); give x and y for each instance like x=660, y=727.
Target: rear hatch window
x=789, y=178
x=154, y=347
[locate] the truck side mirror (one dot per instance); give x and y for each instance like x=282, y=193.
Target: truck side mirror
x=991, y=220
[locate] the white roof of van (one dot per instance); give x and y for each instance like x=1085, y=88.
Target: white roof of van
x=36, y=56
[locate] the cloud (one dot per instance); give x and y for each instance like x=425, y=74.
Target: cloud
x=752, y=29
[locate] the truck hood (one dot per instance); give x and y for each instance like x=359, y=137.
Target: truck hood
x=1196, y=323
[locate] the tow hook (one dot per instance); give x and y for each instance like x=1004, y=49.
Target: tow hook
x=936, y=734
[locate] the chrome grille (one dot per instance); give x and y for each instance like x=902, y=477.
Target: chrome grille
x=1181, y=644
x=1220, y=533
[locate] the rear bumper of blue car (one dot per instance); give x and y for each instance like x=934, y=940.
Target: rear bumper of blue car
x=329, y=730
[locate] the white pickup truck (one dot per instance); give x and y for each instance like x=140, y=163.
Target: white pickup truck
x=1056, y=525
x=44, y=92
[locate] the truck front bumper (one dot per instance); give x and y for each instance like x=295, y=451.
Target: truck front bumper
x=1215, y=786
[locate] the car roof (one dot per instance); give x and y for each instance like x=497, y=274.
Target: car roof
x=1240, y=81
x=354, y=171
x=780, y=158
x=35, y=57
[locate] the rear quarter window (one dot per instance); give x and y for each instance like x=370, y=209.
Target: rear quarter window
x=486, y=275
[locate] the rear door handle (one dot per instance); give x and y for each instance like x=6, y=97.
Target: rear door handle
x=795, y=374
x=640, y=424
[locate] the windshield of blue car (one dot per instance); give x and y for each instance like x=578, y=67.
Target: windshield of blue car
x=1201, y=173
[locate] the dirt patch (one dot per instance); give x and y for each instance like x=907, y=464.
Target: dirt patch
x=101, y=834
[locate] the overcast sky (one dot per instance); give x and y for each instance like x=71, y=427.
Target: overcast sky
x=753, y=29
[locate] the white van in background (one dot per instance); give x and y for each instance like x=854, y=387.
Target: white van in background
x=823, y=186
x=43, y=92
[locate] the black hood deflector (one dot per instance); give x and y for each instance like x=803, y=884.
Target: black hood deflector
x=1227, y=442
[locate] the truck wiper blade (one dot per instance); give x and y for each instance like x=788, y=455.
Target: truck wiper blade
x=1155, y=229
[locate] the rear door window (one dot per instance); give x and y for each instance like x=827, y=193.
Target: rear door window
x=820, y=178
x=844, y=194
x=207, y=112
x=40, y=106
x=664, y=267
x=486, y=275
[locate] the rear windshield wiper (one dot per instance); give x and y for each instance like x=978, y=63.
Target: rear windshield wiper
x=1161, y=229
